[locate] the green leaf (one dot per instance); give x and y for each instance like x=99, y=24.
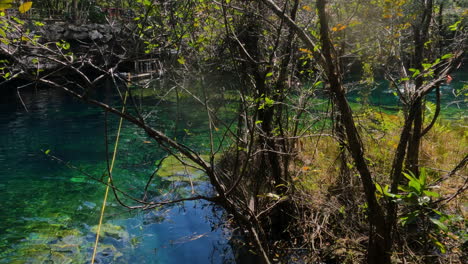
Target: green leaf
x=440, y=246
x=454, y=27
x=47, y=152
x=181, y=60
x=426, y=65
x=269, y=74
x=409, y=176
x=422, y=176
x=439, y=224
x=379, y=188
x=447, y=56
x=269, y=102
x=432, y=194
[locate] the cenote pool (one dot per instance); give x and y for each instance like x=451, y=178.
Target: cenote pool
x=49, y=212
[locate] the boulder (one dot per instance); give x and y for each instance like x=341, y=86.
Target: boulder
x=94, y=35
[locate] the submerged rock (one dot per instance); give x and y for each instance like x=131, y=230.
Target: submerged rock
x=173, y=169
x=113, y=231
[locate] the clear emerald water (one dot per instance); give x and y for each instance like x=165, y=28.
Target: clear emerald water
x=453, y=101
x=48, y=211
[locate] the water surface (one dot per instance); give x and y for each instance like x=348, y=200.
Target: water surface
x=49, y=212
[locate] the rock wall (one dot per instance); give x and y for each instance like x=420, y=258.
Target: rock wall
x=65, y=31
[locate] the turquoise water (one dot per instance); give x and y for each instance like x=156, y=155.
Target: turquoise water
x=49, y=212
x=453, y=102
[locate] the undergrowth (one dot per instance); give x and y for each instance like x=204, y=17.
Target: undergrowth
x=332, y=225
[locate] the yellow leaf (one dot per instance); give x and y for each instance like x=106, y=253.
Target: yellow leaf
x=307, y=8
x=25, y=7
x=305, y=50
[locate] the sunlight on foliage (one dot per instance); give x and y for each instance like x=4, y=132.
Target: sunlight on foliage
x=23, y=8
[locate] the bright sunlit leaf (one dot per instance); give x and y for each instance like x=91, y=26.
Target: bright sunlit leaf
x=181, y=60
x=25, y=7
x=307, y=8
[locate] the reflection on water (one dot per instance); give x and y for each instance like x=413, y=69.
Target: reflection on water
x=49, y=213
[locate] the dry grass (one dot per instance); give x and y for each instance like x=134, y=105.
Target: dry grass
x=333, y=219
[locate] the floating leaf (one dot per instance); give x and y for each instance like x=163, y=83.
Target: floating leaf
x=78, y=179
x=47, y=152
x=25, y=7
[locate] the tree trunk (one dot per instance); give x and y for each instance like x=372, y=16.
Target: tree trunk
x=421, y=33
x=380, y=243
x=75, y=11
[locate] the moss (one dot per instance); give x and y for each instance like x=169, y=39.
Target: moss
x=174, y=170
x=111, y=230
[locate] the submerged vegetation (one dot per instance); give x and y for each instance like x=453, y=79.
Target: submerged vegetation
x=303, y=174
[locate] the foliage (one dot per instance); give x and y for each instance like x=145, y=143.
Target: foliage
x=420, y=212
x=284, y=56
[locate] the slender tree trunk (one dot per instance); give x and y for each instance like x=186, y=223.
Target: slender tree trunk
x=380, y=243
x=421, y=34
x=75, y=11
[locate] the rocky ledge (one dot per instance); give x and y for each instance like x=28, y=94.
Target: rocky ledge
x=95, y=32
